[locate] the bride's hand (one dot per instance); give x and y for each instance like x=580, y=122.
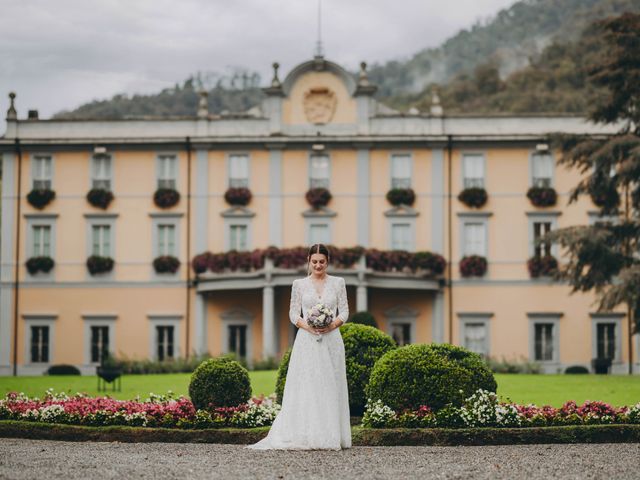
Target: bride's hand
x=332, y=326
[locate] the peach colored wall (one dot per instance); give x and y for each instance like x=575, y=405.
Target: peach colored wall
x=293, y=106
x=131, y=305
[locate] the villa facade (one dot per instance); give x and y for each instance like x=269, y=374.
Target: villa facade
x=320, y=127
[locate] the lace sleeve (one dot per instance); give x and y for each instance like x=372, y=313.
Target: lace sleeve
x=343, y=304
x=295, y=306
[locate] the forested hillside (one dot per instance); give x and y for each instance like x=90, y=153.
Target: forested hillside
x=531, y=57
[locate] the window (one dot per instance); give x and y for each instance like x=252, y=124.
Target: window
x=238, y=237
x=401, y=333
x=99, y=343
x=167, y=165
x=319, y=233
x=237, y=340
x=475, y=337
x=238, y=171
x=42, y=170
x=540, y=229
x=473, y=170
x=401, y=171
x=41, y=236
x=401, y=236
x=606, y=340
x=541, y=170
x=319, y=171
x=544, y=342
x=474, y=239
x=164, y=342
x=101, y=175
x=39, y=344
x=166, y=239
x=101, y=240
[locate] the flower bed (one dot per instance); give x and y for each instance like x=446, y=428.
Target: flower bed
x=156, y=411
x=483, y=409
x=295, y=258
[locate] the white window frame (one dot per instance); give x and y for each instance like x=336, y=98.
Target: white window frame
x=392, y=179
x=166, y=179
x=473, y=218
x=100, y=219
x=540, y=318
x=468, y=182
x=41, y=220
x=98, y=320
x=310, y=223
x=319, y=182
x=236, y=182
x=164, y=320
x=616, y=319
x=466, y=319
x=241, y=222
x=36, y=174
x=237, y=317
x=93, y=170
x=547, y=217
x=39, y=320
x=158, y=219
x=402, y=315
x=532, y=159
x=410, y=228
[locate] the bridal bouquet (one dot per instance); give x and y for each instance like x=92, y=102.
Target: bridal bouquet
x=319, y=316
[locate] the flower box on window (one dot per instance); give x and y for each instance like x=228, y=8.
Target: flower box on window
x=401, y=196
x=40, y=197
x=100, y=197
x=166, y=197
x=542, y=196
x=473, y=266
x=39, y=264
x=98, y=264
x=474, y=197
x=239, y=196
x=166, y=264
x=603, y=193
x=318, y=197
x=542, y=266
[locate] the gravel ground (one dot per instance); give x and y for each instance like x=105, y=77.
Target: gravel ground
x=28, y=459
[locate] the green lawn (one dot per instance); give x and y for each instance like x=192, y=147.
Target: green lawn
x=540, y=389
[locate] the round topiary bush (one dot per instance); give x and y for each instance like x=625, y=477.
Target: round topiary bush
x=219, y=382
x=63, y=370
x=576, y=369
x=433, y=375
x=364, y=318
x=363, y=346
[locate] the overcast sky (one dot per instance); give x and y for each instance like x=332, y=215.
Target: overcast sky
x=59, y=54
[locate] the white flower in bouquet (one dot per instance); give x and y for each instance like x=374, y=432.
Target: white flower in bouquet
x=319, y=316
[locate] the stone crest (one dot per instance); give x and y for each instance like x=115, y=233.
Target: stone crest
x=319, y=105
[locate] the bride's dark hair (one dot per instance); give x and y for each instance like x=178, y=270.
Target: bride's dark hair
x=318, y=248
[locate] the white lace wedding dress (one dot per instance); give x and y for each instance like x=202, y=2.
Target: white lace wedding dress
x=315, y=402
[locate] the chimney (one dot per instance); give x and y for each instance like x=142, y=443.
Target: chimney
x=32, y=115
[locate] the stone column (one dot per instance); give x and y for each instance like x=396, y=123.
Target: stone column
x=268, y=323
x=200, y=325
x=7, y=253
x=361, y=298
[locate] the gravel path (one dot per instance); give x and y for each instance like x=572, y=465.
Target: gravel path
x=28, y=459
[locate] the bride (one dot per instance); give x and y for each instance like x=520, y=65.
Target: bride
x=315, y=402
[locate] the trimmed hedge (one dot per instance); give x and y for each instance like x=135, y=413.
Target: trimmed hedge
x=363, y=346
x=360, y=436
x=219, y=382
x=63, y=370
x=364, y=318
x=433, y=375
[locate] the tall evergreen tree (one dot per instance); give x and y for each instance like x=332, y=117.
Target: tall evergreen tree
x=605, y=257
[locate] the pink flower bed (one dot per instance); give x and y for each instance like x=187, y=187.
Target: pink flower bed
x=156, y=411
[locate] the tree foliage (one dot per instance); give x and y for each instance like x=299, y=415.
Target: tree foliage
x=604, y=257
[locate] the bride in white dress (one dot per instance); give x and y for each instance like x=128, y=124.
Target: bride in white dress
x=315, y=401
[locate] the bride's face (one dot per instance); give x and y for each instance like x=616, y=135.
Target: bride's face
x=318, y=263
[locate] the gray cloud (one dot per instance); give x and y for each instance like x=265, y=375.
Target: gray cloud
x=59, y=54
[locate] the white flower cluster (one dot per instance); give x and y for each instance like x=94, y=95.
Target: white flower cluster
x=377, y=414
x=258, y=414
x=319, y=316
x=50, y=413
